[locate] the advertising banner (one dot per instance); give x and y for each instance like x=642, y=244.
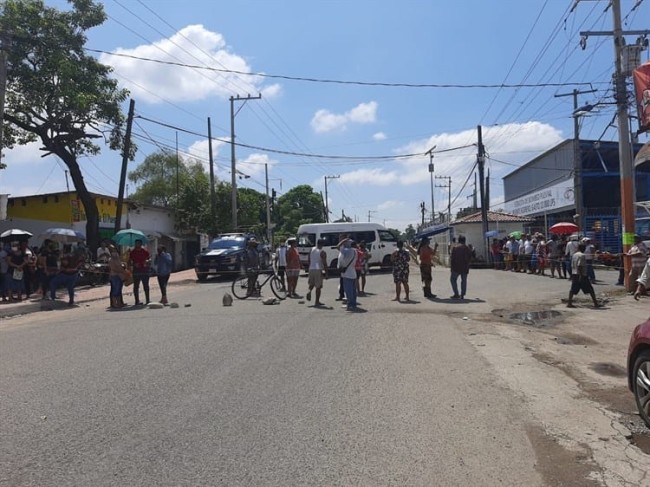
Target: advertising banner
x=551, y=199
x=642, y=89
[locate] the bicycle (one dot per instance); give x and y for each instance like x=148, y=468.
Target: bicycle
x=240, y=285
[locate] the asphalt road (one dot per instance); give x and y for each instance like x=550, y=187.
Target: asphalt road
x=258, y=395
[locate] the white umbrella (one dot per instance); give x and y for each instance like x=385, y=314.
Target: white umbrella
x=16, y=234
x=62, y=235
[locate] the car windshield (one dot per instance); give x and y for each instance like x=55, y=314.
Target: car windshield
x=227, y=243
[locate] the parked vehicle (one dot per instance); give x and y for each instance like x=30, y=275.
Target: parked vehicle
x=225, y=253
x=379, y=241
x=638, y=369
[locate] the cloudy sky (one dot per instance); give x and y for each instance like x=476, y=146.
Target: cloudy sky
x=360, y=90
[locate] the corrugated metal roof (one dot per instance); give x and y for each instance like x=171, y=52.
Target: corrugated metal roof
x=493, y=217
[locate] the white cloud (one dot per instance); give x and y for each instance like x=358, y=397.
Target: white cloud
x=28, y=154
x=512, y=143
x=387, y=205
x=325, y=121
x=379, y=136
x=193, y=45
x=252, y=165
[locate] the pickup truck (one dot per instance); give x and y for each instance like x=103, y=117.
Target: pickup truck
x=225, y=254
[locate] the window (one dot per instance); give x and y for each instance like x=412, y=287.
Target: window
x=330, y=239
x=367, y=236
x=386, y=236
x=306, y=240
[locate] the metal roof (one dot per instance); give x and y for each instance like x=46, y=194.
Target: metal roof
x=493, y=217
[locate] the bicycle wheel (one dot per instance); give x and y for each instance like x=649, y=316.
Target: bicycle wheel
x=240, y=287
x=277, y=288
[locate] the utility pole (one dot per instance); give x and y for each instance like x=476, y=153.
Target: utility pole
x=577, y=156
x=475, y=194
x=213, y=200
x=433, y=208
x=177, y=163
x=423, y=209
x=327, y=205
x=125, y=160
x=370, y=212
x=448, y=186
x=481, y=181
x=233, y=164
x=628, y=194
x=268, y=204
x=5, y=44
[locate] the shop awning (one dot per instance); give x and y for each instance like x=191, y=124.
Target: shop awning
x=433, y=230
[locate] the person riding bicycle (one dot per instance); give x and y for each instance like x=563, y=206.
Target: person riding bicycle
x=252, y=264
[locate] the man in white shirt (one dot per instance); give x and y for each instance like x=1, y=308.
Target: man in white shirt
x=103, y=254
x=347, y=258
x=317, y=270
x=281, y=261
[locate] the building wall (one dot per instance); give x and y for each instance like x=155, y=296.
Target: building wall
x=473, y=233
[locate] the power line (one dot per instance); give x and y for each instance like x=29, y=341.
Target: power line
x=335, y=81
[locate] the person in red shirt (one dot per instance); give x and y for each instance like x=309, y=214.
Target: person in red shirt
x=426, y=253
x=139, y=260
x=293, y=267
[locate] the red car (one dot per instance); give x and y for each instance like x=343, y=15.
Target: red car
x=638, y=369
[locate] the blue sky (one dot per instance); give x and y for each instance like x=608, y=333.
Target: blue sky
x=463, y=43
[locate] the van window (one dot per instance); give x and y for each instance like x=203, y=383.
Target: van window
x=367, y=236
x=386, y=236
x=330, y=239
x=306, y=240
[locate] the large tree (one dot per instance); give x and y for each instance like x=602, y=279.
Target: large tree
x=297, y=206
x=157, y=178
x=56, y=93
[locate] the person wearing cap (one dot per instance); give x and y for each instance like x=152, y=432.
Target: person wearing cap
x=317, y=270
x=639, y=255
x=346, y=259
x=590, y=254
x=293, y=267
x=579, y=279
x=571, y=248
x=251, y=264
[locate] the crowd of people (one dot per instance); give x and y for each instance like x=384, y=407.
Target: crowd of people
x=26, y=271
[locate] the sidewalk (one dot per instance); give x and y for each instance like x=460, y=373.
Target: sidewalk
x=86, y=294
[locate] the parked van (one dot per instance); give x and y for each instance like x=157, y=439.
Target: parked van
x=379, y=241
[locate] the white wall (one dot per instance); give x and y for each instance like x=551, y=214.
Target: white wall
x=473, y=233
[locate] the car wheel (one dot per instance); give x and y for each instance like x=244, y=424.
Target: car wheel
x=386, y=263
x=642, y=385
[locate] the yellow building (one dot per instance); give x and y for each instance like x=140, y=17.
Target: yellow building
x=39, y=212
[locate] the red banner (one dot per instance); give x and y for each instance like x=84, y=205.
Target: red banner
x=642, y=89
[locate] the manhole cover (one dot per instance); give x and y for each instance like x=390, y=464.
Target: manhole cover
x=612, y=370
x=535, y=318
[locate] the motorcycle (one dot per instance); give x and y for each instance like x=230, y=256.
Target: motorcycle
x=94, y=273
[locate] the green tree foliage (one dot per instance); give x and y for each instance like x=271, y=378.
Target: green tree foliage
x=409, y=233
x=56, y=93
x=297, y=206
x=156, y=177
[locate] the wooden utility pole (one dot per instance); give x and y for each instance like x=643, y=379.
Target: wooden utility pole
x=213, y=202
x=481, y=181
x=126, y=149
x=233, y=164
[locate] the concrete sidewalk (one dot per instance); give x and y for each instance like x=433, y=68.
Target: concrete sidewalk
x=86, y=294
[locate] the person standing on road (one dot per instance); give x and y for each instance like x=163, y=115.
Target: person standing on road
x=67, y=276
x=139, y=261
x=425, y=254
x=252, y=266
x=163, y=264
x=341, y=296
x=460, y=259
x=401, y=259
x=347, y=258
x=579, y=278
x=554, y=255
x=293, y=267
x=363, y=256
x=116, y=276
x=590, y=254
x=639, y=254
x=317, y=271
x=281, y=262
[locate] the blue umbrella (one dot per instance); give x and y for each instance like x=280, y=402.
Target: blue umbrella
x=128, y=236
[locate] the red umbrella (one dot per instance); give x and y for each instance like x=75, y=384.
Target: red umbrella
x=564, y=228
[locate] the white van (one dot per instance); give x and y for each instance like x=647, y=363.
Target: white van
x=379, y=241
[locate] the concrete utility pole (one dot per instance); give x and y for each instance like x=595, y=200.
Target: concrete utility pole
x=423, y=209
x=626, y=163
x=327, y=205
x=213, y=200
x=233, y=165
x=433, y=208
x=480, y=157
x=5, y=44
x=577, y=157
x=268, y=204
x=125, y=160
x=370, y=212
x=448, y=186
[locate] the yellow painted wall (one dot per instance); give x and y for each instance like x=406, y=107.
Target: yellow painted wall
x=61, y=208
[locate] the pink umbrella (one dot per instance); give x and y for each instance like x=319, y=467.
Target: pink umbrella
x=564, y=228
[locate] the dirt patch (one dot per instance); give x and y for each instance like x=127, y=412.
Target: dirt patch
x=611, y=370
x=574, y=339
x=559, y=466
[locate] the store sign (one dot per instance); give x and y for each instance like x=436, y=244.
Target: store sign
x=549, y=199
x=642, y=88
